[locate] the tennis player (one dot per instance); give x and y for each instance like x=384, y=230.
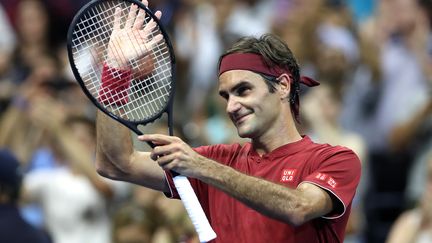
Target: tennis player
x=279, y=187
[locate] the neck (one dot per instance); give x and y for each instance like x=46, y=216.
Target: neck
x=277, y=137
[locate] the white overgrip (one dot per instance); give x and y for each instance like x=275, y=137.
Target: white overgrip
x=194, y=209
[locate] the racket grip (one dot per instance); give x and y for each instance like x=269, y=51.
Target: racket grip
x=194, y=209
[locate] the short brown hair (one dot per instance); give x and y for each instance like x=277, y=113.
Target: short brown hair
x=275, y=52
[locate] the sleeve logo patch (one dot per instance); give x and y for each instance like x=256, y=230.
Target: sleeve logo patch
x=328, y=179
x=288, y=175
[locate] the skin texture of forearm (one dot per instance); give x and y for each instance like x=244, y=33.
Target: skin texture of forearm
x=293, y=206
x=116, y=158
x=113, y=147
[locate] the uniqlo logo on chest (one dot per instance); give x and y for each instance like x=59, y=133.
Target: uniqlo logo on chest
x=288, y=175
x=328, y=179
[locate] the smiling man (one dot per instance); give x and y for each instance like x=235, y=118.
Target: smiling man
x=279, y=187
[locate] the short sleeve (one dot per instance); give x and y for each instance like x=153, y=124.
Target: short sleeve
x=338, y=173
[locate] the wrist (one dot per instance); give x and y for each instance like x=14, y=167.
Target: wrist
x=117, y=64
x=114, y=86
x=212, y=171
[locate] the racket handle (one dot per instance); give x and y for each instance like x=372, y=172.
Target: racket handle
x=194, y=209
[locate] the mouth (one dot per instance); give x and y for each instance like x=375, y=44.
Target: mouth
x=239, y=119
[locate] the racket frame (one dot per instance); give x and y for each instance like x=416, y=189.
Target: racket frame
x=133, y=125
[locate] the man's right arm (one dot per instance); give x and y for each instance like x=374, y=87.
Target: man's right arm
x=116, y=158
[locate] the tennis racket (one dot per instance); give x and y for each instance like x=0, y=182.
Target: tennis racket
x=124, y=62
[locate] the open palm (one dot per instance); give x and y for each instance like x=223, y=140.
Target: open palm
x=134, y=40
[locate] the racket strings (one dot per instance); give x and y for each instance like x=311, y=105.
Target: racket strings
x=146, y=96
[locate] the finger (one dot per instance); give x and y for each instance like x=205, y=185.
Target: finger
x=163, y=161
x=157, y=38
x=164, y=150
x=153, y=156
x=140, y=19
x=169, y=163
x=158, y=14
x=149, y=26
x=131, y=17
x=156, y=138
x=145, y=2
x=117, y=17
x=148, y=38
x=168, y=166
x=151, y=44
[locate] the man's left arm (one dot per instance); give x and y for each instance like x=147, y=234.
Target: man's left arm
x=294, y=206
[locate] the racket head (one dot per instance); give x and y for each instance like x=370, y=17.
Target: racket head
x=150, y=94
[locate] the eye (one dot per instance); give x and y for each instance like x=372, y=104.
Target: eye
x=224, y=95
x=243, y=90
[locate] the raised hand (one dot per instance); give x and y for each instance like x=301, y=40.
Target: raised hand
x=132, y=41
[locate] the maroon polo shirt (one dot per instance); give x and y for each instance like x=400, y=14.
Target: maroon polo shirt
x=336, y=169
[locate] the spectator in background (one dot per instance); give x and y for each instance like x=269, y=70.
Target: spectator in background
x=74, y=198
x=297, y=24
x=337, y=52
x=388, y=94
x=13, y=228
x=198, y=42
x=19, y=132
x=423, y=120
x=34, y=44
x=415, y=134
x=415, y=225
x=248, y=18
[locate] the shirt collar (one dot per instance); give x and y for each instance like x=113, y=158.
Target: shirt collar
x=284, y=150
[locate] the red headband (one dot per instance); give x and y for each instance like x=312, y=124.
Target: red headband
x=256, y=63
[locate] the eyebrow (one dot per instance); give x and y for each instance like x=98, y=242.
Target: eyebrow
x=237, y=86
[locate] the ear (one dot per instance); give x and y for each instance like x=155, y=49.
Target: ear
x=284, y=86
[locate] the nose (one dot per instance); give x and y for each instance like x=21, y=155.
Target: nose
x=233, y=105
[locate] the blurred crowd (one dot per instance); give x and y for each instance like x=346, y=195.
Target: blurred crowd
x=374, y=62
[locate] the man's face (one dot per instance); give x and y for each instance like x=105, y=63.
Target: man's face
x=250, y=105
